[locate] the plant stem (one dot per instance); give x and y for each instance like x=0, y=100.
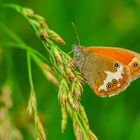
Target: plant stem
x=24, y=47
x=29, y=70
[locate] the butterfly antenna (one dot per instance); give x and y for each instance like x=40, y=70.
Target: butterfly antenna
x=76, y=33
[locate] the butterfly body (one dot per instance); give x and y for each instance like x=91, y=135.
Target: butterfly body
x=107, y=70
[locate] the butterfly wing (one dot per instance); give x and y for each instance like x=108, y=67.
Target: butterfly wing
x=105, y=75
x=128, y=58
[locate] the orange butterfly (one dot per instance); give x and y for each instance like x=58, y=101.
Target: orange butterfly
x=107, y=70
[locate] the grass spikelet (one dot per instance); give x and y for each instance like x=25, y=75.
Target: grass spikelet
x=62, y=70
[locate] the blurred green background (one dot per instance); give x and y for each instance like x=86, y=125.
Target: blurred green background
x=99, y=22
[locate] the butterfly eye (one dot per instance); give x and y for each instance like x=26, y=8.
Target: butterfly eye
x=116, y=65
x=135, y=65
x=114, y=81
x=76, y=48
x=109, y=85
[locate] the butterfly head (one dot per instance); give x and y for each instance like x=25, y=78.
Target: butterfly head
x=76, y=48
x=78, y=55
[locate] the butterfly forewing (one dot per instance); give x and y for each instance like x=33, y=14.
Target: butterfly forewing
x=129, y=58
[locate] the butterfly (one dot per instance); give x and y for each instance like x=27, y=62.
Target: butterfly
x=107, y=70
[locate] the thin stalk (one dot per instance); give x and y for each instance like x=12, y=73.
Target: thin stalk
x=32, y=87
x=24, y=47
x=29, y=70
x=75, y=116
